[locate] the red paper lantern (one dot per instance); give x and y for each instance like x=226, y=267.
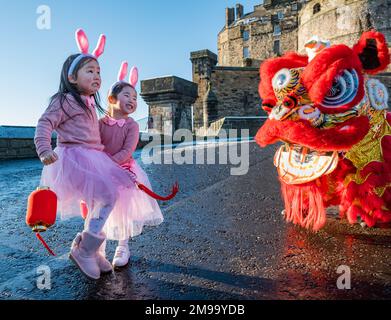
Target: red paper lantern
x=41, y=212
x=41, y=209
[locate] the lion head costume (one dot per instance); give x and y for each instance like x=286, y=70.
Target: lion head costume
x=332, y=119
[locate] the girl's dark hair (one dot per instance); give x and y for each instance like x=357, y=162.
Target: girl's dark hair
x=67, y=87
x=118, y=87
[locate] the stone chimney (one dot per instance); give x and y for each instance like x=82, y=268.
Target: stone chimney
x=239, y=11
x=229, y=16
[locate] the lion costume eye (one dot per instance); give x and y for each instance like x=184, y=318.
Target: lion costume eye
x=287, y=81
x=281, y=79
x=343, y=90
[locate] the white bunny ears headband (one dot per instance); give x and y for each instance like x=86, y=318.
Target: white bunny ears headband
x=82, y=43
x=123, y=71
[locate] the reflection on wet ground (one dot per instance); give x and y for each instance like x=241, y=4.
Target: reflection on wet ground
x=223, y=238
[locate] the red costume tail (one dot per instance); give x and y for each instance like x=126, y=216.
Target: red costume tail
x=152, y=194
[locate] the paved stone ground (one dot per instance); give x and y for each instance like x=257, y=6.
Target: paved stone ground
x=223, y=238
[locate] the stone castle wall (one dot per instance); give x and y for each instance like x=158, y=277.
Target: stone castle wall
x=260, y=28
x=235, y=91
x=234, y=88
x=227, y=83
x=340, y=21
x=343, y=21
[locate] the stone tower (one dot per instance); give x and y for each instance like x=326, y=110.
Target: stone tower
x=342, y=21
x=277, y=26
x=248, y=39
x=170, y=101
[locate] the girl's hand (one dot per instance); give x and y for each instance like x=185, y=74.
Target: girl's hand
x=49, y=158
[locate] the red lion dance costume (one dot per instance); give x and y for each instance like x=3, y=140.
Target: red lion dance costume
x=336, y=130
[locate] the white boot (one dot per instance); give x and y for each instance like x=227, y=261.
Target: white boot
x=84, y=253
x=121, y=256
x=104, y=264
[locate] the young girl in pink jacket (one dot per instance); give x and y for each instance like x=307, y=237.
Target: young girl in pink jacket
x=120, y=136
x=78, y=169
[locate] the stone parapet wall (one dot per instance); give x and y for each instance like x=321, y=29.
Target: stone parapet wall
x=237, y=123
x=13, y=148
x=18, y=142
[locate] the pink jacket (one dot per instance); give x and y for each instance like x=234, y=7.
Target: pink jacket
x=119, y=142
x=74, y=127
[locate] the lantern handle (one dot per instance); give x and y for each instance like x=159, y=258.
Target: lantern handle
x=44, y=244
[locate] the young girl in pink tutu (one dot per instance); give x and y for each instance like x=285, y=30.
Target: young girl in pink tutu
x=120, y=136
x=78, y=169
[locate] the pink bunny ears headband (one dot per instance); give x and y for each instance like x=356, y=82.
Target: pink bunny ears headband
x=123, y=71
x=82, y=43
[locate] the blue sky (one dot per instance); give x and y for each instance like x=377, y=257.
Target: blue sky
x=155, y=35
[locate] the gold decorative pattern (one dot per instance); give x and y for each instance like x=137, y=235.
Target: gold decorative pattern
x=298, y=165
x=369, y=149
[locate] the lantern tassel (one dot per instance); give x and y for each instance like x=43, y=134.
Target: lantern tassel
x=44, y=243
x=152, y=194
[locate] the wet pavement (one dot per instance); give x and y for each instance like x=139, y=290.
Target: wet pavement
x=223, y=238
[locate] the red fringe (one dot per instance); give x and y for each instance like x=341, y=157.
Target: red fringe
x=304, y=205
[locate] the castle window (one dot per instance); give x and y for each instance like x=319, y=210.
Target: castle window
x=316, y=8
x=280, y=15
x=246, y=52
x=246, y=35
x=276, y=47
x=277, y=30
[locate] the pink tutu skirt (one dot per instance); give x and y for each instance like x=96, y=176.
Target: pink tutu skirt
x=133, y=210
x=82, y=174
